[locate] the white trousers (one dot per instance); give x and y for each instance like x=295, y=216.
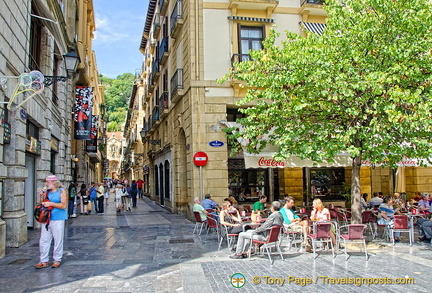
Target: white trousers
x=55, y=231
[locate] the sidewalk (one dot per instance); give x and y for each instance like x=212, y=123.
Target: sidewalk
x=152, y=250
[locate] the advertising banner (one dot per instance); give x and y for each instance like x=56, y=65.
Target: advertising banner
x=83, y=112
x=91, y=145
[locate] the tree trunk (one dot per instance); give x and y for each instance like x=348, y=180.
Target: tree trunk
x=355, y=191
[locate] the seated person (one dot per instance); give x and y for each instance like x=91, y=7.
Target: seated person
x=260, y=233
x=291, y=219
x=234, y=202
x=423, y=204
x=398, y=202
x=386, y=214
x=425, y=229
x=232, y=209
x=320, y=213
x=376, y=200
x=197, y=207
x=259, y=206
x=363, y=201
x=243, y=195
x=232, y=221
x=208, y=203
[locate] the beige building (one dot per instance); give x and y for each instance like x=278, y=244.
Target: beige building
x=187, y=46
x=114, y=153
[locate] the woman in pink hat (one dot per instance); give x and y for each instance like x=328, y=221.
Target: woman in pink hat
x=58, y=199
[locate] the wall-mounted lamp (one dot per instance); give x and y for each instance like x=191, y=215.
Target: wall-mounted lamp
x=150, y=141
x=71, y=60
x=74, y=158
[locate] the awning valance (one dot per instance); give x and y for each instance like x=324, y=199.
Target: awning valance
x=316, y=28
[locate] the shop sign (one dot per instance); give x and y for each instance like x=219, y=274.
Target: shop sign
x=33, y=145
x=54, y=144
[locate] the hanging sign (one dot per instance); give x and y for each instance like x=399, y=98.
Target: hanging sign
x=83, y=112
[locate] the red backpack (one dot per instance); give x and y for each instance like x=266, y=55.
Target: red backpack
x=43, y=214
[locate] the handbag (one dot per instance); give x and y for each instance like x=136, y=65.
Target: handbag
x=89, y=206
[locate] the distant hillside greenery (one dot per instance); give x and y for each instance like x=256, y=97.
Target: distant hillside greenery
x=117, y=93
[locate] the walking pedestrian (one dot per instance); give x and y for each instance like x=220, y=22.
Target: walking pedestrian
x=118, y=197
x=84, y=199
x=140, y=183
x=134, y=193
x=92, y=192
x=58, y=199
x=72, y=194
x=107, y=188
x=100, y=198
x=128, y=197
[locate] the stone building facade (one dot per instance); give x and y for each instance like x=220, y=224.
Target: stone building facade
x=36, y=134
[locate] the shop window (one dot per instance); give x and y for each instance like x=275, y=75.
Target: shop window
x=327, y=182
x=246, y=185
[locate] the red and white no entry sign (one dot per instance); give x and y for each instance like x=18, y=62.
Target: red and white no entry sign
x=200, y=159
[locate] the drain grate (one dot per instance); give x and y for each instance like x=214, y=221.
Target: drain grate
x=19, y=261
x=172, y=241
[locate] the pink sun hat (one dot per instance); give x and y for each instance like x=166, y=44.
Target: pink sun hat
x=51, y=178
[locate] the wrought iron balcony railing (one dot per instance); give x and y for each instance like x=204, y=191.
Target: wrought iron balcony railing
x=176, y=82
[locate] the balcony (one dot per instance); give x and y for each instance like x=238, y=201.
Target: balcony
x=163, y=103
x=312, y=7
x=176, y=19
x=155, y=115
x=156, y=25
x=239, y=58
x=254, y=4
x=155, y=72
x=177, y=85
x=163, y=6
x=163, y=51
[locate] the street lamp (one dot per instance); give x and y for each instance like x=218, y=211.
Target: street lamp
x=71, y=60
x=150, y=141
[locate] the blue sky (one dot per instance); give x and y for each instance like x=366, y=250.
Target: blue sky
x=119, y=27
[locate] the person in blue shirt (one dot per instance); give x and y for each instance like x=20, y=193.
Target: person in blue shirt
x=208, y=203
x=386, y=215
x=58, y=199
x=292, y=221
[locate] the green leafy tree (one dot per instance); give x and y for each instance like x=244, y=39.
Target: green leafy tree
x=117, y=92
x=363, y=87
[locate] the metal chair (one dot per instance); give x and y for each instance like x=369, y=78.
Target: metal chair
x=273, y=238
x=198, y=221
x=212, y=224
x=367, y=219
x=230, y=237
x=354, y=235
x=321, y=235
x=294, y=237
x=401, y=224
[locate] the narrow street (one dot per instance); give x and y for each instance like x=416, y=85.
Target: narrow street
x=152, y=250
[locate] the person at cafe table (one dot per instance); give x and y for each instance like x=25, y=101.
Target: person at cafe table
x=386, y=214
x=260, y=233
x=232, y=221
x=259, y=206
x=292, y=221
x=320, y=213
x=208, y=203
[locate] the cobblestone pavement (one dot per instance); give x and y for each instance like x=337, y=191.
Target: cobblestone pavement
x=152, y=250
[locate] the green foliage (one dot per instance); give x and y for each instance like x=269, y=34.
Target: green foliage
x=363, y=87
x=117, y=92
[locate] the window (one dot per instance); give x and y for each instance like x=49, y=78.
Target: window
x=250, y=38
x=35, y=42
x=233, y=115
x=327, y=182
x=53, y=162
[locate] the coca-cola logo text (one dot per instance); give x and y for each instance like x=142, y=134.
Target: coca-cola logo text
x=270, y=162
